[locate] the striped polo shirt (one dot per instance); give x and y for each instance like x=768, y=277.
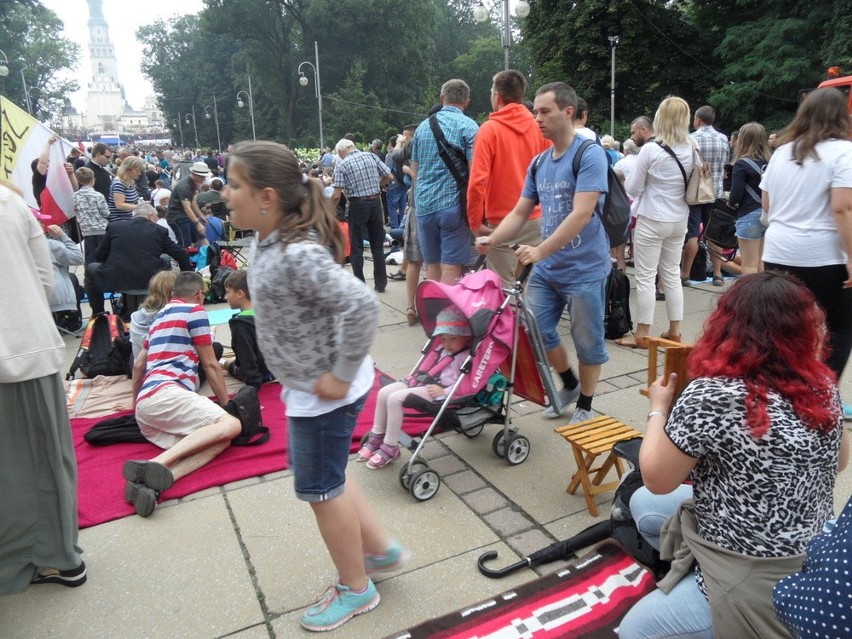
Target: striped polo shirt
x=171, y=342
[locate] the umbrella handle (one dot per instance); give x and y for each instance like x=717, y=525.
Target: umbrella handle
x=502, y=572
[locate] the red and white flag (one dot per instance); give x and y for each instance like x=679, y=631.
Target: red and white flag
x=22, y=140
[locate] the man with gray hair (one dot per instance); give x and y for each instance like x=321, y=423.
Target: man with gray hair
x=128, y=256
x=442, y=149
x=362, y=176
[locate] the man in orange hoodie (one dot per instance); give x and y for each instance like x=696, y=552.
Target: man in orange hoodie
x=502, y=152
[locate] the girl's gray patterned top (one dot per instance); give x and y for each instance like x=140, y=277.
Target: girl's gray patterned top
x=312, y=316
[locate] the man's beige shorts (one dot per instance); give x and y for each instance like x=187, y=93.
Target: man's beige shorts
x=173, y=412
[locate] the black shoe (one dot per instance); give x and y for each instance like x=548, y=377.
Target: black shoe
x=399, y=276
x=380, y=289
x=144, y=499
x=70, y=578
x=661, y=297
x=153, y=475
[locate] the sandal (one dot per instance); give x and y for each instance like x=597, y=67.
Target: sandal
x=374, y=441
x=718, y=281
x=411, y=315
x=670, y=337
x=638, y=342
x=399, y=276
x=383, y=456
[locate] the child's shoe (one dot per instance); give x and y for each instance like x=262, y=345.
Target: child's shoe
x=395, y=558
x=371, y=446
x=383, y=456
x=337, y=605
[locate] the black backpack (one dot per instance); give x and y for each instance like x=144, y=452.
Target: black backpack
x=217, y=283
x=617, y=321
x=615, y=214
x=623, y=527
x=105, y=348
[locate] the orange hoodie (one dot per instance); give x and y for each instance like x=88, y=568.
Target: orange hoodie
x=502, y=152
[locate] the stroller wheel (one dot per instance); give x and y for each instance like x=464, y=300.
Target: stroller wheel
x=405, y=476
x=498, y=444
x=424, y=484
x=473, y=431
x=517, y=449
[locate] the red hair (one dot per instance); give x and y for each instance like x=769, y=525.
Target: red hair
x=769, y=332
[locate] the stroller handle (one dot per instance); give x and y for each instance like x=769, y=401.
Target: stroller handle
x=527, y=269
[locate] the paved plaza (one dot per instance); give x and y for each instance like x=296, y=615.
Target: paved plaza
x=245, y=559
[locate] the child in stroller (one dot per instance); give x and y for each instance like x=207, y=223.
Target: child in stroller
x=382, y=445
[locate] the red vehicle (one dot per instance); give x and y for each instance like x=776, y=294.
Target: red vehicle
x=842, y=83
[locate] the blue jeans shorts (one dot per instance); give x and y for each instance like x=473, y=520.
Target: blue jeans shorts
x=444, y=237
x=585, y=303
x=319, y=451
x=749, y=226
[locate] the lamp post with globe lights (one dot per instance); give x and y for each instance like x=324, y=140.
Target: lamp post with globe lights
x=613, y=43
x=194, y=125
x=4, y=65
x=180, y=128
x=241, y=103
x=522, y=10
x=303, y=80
x=215, y=111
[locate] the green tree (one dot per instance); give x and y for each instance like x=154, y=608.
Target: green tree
x=656, y=55
x=28, y=38
x=767, y=52
x=354, y=109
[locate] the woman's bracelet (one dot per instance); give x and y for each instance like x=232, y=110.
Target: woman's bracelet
x=656, y=412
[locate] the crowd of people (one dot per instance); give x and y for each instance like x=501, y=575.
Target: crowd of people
x=765, y=371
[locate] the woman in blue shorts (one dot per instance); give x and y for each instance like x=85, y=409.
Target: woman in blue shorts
x=752, y=155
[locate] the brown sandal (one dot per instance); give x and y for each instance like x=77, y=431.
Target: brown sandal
x=670, y=337
x=638, y=342
x=411, y=315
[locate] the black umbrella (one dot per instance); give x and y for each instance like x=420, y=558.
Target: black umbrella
x=557, y=550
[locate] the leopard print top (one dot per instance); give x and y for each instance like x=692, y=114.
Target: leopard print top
x=762, y=497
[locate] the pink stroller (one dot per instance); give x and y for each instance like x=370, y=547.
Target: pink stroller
x=481, y=395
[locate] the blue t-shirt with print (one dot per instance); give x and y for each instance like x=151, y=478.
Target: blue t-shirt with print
x=586, y=257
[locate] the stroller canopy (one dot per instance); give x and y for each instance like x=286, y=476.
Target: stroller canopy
x=480, y=298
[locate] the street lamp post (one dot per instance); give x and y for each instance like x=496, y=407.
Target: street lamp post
x=215, y=110
x=26, y=93
x=522, y=10
x=194, y=125
x=4, y=65
x=241, y=103
x=613, y=43
x=180, y=128
x=317, y=88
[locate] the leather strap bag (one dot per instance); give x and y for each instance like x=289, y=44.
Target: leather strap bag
x=699, y=185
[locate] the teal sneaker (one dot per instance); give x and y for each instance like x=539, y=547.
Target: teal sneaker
x=337, y=605
x=395, y=557
x=847, y=412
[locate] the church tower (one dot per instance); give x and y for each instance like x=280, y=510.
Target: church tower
x=105, y=101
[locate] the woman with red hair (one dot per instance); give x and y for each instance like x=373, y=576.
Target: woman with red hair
x=759, y=432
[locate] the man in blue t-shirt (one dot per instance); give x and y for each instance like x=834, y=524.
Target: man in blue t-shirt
x=572, y=262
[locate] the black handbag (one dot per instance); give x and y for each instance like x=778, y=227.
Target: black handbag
x=721, y=229
x=245, y=406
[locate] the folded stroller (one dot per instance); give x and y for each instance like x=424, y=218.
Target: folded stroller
x=483, y=392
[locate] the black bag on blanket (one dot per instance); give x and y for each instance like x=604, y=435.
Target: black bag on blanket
x=245, y=406
x=115, y=430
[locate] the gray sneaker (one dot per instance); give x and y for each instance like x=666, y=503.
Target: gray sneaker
x=566, y=398
x=581, y=415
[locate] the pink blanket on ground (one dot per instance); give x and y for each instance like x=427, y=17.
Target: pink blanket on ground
x=100, y=492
